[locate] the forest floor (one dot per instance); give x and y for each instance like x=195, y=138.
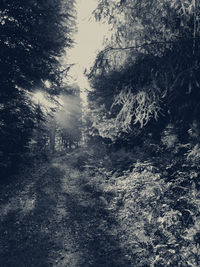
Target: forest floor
x=52, y=216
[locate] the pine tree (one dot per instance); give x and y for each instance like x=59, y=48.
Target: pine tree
x=33, y=36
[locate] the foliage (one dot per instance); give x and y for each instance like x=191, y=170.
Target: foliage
x=69, y=119
x=156, y=74
x=34, y=35
x=142, y=22
x=16, y=124
x=146, y=97
x=158, y=218
x=169, y=137
x=38, y=145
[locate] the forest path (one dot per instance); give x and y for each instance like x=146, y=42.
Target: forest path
x=55, y=218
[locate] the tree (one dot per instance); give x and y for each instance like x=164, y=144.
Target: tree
x=149, y=68
x=69, y=118
x=16, y=125
x=34, y=35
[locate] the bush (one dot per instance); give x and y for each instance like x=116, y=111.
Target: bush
x=158, y=226
x=79, y=158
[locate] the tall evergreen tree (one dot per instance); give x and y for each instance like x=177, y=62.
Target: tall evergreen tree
x=33, y=35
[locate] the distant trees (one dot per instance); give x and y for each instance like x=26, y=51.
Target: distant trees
x=38, y=144
x=149, y=69
x=33, y=35
x=57, y=123
x=69, y=119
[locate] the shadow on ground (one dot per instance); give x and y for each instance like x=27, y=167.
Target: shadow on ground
x=25, y=237
x=93, y=229
x=59, y=228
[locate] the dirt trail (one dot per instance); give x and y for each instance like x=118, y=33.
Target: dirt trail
x=56, y=219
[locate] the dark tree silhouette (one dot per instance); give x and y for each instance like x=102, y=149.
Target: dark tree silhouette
x=34, y=35
x=148, y=71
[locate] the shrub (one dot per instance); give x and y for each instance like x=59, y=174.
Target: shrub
x=158, y=225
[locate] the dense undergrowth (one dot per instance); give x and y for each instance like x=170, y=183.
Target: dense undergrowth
x=142, y=203
x=153, y=193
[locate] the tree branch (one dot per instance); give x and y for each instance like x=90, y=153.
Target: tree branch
x=108, y=49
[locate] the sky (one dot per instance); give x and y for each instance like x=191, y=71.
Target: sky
x=88, y=41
